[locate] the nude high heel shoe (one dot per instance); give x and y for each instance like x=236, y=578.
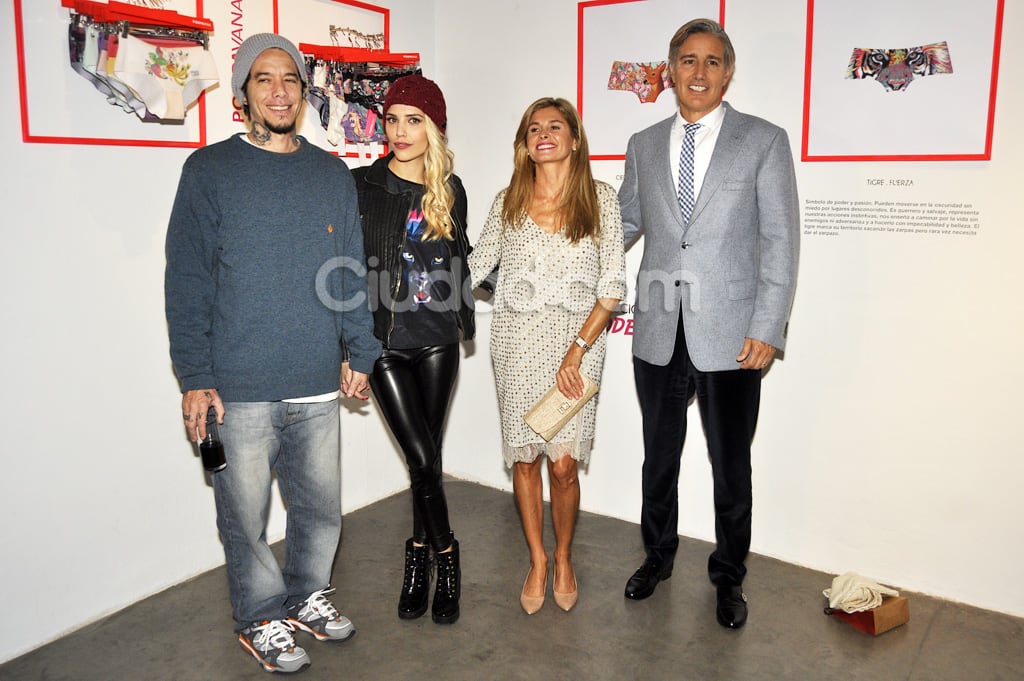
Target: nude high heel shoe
x=566, y=600
x=532, y=604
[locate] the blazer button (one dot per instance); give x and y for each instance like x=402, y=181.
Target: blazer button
x=677, y=282
x=685, y=245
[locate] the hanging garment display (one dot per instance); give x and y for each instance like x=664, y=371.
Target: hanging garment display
x=348, y=87
x=153, y=63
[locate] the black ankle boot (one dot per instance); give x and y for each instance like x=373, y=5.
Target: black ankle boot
x=416, y=583
x=449, y=579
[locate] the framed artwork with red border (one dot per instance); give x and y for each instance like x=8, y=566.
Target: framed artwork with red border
x=621, y=73
x=918, y=84
x=59, y=106
x=323, y=22
x=337, y=23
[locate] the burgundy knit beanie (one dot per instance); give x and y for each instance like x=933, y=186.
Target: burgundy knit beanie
x=421, y=93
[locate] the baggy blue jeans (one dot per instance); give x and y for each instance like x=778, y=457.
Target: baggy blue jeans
x=299, y=443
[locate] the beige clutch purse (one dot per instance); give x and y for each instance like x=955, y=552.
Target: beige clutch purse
x=554, y=410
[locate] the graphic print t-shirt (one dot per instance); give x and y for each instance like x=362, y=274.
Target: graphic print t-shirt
x=424, y=307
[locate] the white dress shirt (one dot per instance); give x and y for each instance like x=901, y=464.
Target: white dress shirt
x=703, y=145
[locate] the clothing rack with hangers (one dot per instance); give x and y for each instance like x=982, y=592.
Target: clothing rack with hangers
x=154, y=63
x=348, y=86
x=359, y=55
x=115, y=12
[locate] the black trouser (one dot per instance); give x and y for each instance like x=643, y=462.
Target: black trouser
x=728, y=402
x=412, y=388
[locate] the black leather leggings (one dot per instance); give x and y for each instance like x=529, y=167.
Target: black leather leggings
x=412, y=388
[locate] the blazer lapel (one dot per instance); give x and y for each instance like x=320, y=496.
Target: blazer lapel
x=663, y=178
x=727, y=148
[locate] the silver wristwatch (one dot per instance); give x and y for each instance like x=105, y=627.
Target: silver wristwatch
x=582, y=343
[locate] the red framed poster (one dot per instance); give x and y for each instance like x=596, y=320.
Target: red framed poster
x=344, y=23
x=621, y=76
x=918, y=86
x=59, y=106
x=335, y=23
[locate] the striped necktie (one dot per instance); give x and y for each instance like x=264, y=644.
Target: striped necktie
x=685, y=190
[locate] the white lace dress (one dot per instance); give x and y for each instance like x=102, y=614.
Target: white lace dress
x=545, y=291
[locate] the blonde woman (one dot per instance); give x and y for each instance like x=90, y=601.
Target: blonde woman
x=413, y=212
x=556, y=236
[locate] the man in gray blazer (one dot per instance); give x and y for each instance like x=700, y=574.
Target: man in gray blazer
x=717, y=205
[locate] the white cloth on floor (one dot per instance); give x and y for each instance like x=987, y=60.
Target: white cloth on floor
x=852, y=593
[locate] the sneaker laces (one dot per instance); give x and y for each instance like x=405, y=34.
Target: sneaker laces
x=273, y=634
x=317, y=604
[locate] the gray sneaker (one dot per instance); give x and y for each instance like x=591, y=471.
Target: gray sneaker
x=272, y=644
x=317, y=616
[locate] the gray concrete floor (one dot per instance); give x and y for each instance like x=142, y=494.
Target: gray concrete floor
x=185, y=633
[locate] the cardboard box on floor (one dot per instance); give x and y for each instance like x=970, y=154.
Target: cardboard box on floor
x=893, y=612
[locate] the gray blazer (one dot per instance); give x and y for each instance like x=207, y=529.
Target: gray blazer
x=732, y=268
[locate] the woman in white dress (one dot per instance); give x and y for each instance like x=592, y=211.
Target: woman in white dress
x=556, y=236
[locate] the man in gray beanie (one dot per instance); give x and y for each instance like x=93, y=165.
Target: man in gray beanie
x=263, y=290
x=246, y=55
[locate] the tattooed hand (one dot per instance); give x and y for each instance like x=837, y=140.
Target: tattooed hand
x=194, y=405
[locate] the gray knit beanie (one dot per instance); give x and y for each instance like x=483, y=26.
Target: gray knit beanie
x=251, y=48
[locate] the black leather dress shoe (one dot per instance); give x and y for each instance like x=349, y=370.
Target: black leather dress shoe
x=732, y=607
x=642, y=583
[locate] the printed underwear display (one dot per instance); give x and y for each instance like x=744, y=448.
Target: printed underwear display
x=156, y=73
x=646, y=80
x=895, y=69
x=167, y=75
x=349, y=96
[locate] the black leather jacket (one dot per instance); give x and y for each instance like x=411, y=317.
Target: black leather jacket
x=383, y=215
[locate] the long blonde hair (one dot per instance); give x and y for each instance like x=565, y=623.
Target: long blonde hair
x=438, y=197
x=578, y=207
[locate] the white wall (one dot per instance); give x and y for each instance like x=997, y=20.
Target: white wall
x=102, y=500
x=886, y=442
x=885, y=438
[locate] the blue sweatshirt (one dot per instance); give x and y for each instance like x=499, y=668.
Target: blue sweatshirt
x=265, y=273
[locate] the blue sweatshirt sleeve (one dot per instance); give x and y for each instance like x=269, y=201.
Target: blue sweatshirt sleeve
x=189, y=279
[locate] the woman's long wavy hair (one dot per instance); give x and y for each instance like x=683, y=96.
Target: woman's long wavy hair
x=438, y=197
x=578, y=209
